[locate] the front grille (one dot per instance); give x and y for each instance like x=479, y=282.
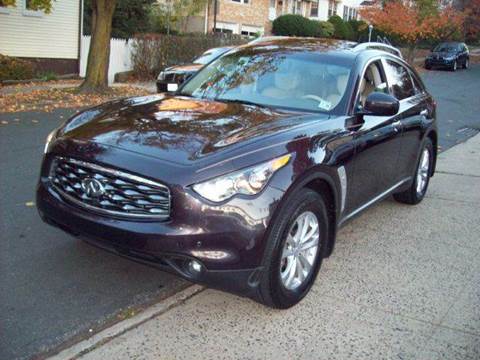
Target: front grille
x=109, y=191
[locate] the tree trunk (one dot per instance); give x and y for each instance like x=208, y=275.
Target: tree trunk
x=412, y=51
x=96, y=79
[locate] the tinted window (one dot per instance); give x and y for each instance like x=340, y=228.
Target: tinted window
x=446, y=48
x=400, y=80
x=291, y=78
x=417, y=83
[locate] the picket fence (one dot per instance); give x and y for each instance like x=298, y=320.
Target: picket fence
x=120, y=56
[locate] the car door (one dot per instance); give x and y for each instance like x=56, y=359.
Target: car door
x=413, y=112
x=377, y=143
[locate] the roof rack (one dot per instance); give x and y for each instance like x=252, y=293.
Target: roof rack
x=378, y=46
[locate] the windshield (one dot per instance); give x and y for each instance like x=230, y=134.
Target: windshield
x=446, y=48
x=296, y=79
x=208, y=56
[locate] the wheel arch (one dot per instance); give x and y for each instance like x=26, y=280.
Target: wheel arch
x=327, y=186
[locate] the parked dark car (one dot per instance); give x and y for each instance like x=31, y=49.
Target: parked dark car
x=241, y=179
x=172, y=77
x=449, y=55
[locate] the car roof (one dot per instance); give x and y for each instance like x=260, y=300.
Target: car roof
x=336, y=47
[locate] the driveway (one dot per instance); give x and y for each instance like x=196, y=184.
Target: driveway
x=54, y=288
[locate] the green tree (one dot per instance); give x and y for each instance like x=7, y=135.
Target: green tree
x=128, y=18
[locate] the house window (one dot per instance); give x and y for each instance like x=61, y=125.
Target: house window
x=29, y=9
x=332, y=8
x=241, y=1
x=3, y=7
x=345, y=13
x=314, y=9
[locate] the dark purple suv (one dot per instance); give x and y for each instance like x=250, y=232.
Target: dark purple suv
x=241, y=179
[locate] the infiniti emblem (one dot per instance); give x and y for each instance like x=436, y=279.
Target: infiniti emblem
x=92, y=187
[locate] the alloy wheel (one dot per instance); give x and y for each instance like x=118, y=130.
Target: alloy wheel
x=300, y=250
x=423, y=171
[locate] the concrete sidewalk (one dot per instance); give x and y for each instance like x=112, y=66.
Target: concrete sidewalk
x=403, y=283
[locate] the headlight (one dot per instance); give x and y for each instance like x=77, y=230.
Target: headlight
x=249, y=181
x=50, y=137
x=161, y=76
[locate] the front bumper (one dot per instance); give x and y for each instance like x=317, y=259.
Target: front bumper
x=227, y=240
x=439, y=63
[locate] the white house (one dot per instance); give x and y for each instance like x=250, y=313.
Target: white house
x=51, y=40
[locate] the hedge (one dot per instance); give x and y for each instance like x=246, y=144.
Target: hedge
x=154, y=52
x=297, y=25
x=343, y=30
x=15, y=69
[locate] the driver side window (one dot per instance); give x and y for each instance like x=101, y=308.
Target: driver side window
x=373, y=80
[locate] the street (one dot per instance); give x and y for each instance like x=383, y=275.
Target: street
x=54, y=289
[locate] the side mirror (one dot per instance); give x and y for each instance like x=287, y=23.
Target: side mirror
x=380, y=104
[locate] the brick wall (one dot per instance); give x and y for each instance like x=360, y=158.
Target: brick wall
x=238, y=15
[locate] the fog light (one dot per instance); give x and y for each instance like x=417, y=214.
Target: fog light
x=194, y=266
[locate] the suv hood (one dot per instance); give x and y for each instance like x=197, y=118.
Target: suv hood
x=177, y=129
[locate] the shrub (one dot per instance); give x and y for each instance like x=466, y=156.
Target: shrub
x=343, y=30
x=154, y=52
x=325, y=29
x=358, y=26
x=15, y=69
x=293, y=25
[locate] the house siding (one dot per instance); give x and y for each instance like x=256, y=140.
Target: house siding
x=50, y=36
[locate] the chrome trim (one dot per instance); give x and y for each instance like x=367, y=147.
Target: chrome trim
x=115, y=172
x=342, y=175
x=374, y=200
x=118, y=173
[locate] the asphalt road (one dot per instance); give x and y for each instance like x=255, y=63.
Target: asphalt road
x=55, y=288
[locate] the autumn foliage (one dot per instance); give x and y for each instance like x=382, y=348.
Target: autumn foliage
x=411, y=24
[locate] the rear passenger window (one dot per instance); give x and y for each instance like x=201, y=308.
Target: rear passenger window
x=401, y=82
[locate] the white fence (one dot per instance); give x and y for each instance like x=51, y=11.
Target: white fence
x=120, y=56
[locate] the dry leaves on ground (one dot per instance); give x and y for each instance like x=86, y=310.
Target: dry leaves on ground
x=51, y=99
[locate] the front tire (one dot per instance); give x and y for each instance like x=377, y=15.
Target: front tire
x=416, y=192
x=466, y=64
x=295, y=249
x=455, y=66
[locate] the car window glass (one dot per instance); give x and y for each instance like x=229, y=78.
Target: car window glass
x=401, y=83
x=373, y=80
x=300, y=80
x=417, y=84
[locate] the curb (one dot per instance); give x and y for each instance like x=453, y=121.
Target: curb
x=104, y=336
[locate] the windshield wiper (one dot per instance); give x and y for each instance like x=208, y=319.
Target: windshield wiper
x=238, y=101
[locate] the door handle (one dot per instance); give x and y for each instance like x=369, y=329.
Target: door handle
x=424, y=112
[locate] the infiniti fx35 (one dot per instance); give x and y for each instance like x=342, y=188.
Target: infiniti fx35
x=241, y=179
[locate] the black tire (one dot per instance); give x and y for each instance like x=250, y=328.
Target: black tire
x=454, y=66
x=427, y=66
x=411, y=196
x=466, y=63
x=272, y=291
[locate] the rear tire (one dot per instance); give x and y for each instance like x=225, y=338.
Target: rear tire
x=416, y=192
x=287, y=278
x=428, y=67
